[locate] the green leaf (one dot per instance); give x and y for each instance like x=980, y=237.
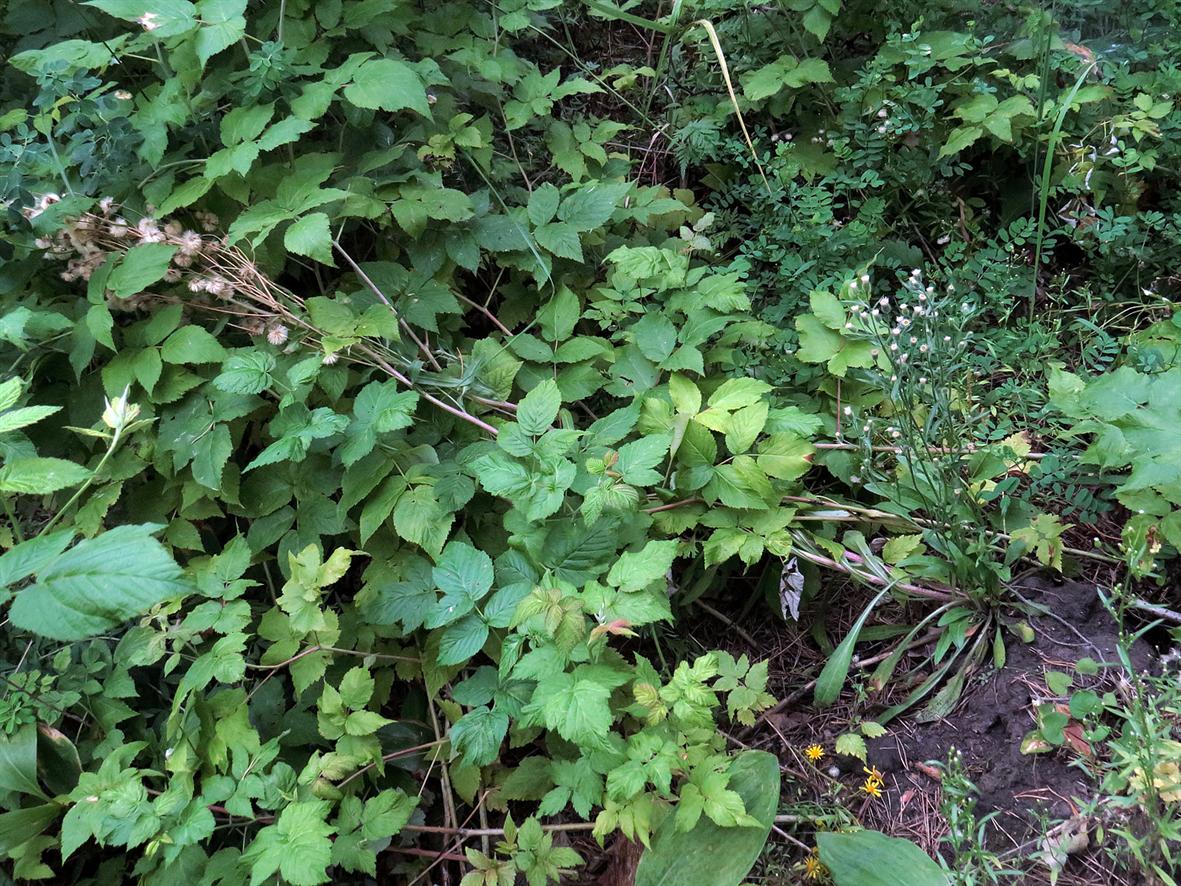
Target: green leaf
x=311, y=236
x=637, y=460
x=735, y=393
x=388, y=85
x=478, y=734
x=21, y=825
x=836, y=669
x=464, y=575
x=655, y=336
x=98, y=584
x=870, y=858
x=222, y=25
x=140, y=267
x=851, y=745
x=709, y=853
x=246, y=372
x=561, y=239
x=38, y=476
x=168, y=18
x=461, y=640
x=543, y=204
x=32, y=556
x=577, y=709
x=828, y=310
x=18, y=762
x=537, y=411
x=592, y=205
x=192, y=344
x=298, y=846
x=961, y=137
x=387, y=813
x=15, y=419
x=634, y=571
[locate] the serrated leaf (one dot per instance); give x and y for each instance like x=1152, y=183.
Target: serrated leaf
x=537, y=411
x=389, y=85
x=99, y=584
x=311, y=236
x=851, y=745
x=36, y=476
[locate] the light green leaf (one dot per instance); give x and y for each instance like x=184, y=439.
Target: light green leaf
x=478, y=734
x=98, y=584
x=15, y=419
x=537, y=411
x=222, y=24
x=389, y=85
x=961, y=137
x=39, y=476
x=166, y=18
x=311, y=236
x=192, y=344
x=870, y=858
x=140, y=267
x=634, y=571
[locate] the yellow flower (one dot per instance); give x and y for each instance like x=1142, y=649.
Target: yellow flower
x=814, y=752
x=872, y=787
x=873, y=775
x=813, y=869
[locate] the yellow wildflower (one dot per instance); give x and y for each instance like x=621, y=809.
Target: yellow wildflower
x=814, y=752
x=873, y=775
x=872, y=787
x=813, y=869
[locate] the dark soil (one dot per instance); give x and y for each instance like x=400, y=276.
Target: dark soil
x=994, y=716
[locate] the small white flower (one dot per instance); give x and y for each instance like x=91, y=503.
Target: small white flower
x=875, y=312
x=852, y=284
x=922, y=379
x=123, y=95
x=848, y=410
x=865, y=278
x=884, y=301
x=168, y=753
x=329, y=359
x=854, y=479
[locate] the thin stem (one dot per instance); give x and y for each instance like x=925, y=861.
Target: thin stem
x=89, y=482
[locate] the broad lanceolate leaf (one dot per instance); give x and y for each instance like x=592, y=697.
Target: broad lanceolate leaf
x=98, y=584
x=870, y=858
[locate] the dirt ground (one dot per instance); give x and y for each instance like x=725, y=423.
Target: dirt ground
x=1027, y=791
